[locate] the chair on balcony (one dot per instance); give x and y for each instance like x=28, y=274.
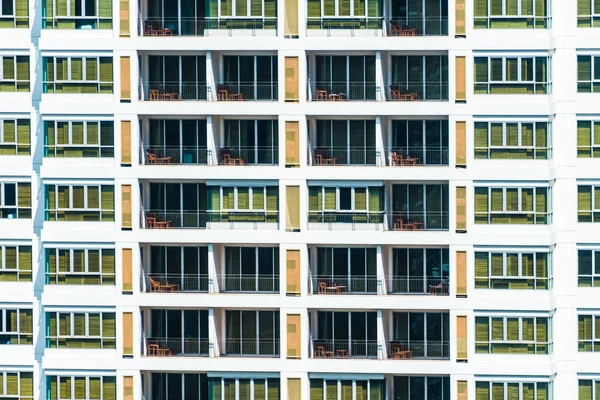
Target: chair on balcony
x=322, y=288
x=399, y=94
x=440, y=288
x=223, y=95
x=322, y=95
x=401, y=224
x=149, y=30
x=151, y=158
x=396, y=159
x=160, y=287
x=154, y=94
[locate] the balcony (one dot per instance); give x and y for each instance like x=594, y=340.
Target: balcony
x=419, y=142
x=344, y=156
x=346, y=221
x=174, y=155
x=344, y=27
x=343, y=334
x=344, y=271
x=416, y=26
x=419, y=335
x=248, y=156
x=419, y=207
x=175, y=283
x=243, y=91
x=338, y=285
x=249, y=283
x=210, y=27
x=418, y=350
x=418, y=221
x=416, y=91
x=250, y=347
x=180, y=347
x=418, y=156
x=418, y=78
x=432, y=285
x=250, y=333
x=343, y=91
x=228, y=220
x=344, y=349
x=173, y=91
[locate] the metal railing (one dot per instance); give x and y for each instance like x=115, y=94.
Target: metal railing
x=420, y=285
x=410, y=349
x=170, y=283
x=166, y=219
x=344, y=348
x=169, y=347
x=334, y=285
x=345, y=156
x=412, y=156
x=258, y=155
x=223, y=26
x=249, y=283
x=343, y=91
x=419, y=26
x=344, y=27
x=418, y=221
x=79, y=22
x=174, y=91
x=70, y=151
x=242, y=91
x=417, y=91
x=345, y=221
x=250, y=347
x=174, y=155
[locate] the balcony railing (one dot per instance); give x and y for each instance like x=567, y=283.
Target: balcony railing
x=174, y=155
x=414, y=156
x=175, y=283
x=249, y=283
x=418, y=221
x=344, y=348
x=187, y=26
x=250, y=347
x=343, y=91
x=167, y=347
x=345, y=221
x=410, y=349
x=228, y=220
x=420, y=285
x=344, y=27
x=332, y=156
x=174, y=91
x=242, y=91
x=337, y=285
x=420, y=26
x=417, y=91
x=249, y=156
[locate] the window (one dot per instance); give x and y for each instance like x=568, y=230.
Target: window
x=252, y=333
x=252, y=141
x=588, y=139
x=588, y=268
x=513, y=75
x=80, y=266
x=416, y=270
x=182, y=75
x=589, y=333
x=589, y=389
x=251, y=269
x=77, y=14
x=243, y=389
x=14, y=14
x=351, y=76
x=421, y=387
x=512, y=140
x=588, y=14
x=16, y=327
x=186, y=266
x=424, y=76
x=345, y=142
x=252, y=77
x=14, y=73
x=80, y=203
x=513, y=335
x=15, y=200
x=78, y=74
x=80, y=330
x=15, y=137
x=588, y=203
x=16, y=385
x=513, y=390
x=350, y=270
x=353, y=332
x=424, y=140
x=347, y=389
x=513, y=14
x=79, y=138
x=425, y=334
x=177, y=386
x=243, y=203
x=522, y=205
x=15, y=263
x=253, y=9
x=81, y=387
x=326, y=11
x=345, y=200
x=513, y=270
x=588, y=74
x=420, y=206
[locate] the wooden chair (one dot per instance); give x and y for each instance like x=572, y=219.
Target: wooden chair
x=396, y=159
x=151, y=158
x=396, y=29
x=322, y=288
x=148, y=30
x=223, y=95
x=153, y=349
x=225, y=159
x=439, y=288
x=150, y=222
x=154, y=287
x=322, y=95
x=318, y=159
x=154, y=94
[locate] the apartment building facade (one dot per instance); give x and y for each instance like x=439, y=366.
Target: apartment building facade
x=320, y=200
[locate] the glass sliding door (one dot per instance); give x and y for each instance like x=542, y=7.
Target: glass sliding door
x=176, y=142
x=423, y=142
x=420, y=271
x=425, y=17
x=345, y=78
x=254, y=142
x=350, y=142
x=249, y=78
x=252, y=333
x=178, y=268
x=182, y=205
x=417, y=207
x=343, y=270
x=176, y=78
x=424, y=335
x=178, y=332
x=251, y=269
x=175, y=17
x=346, y=334
x=421, y=77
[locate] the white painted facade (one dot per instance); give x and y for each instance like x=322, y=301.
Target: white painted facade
x=563, y=42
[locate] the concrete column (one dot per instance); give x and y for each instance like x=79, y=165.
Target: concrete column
x=381, y=286
x=211, y=86
x=213, y=279
x=379, y=141
x=212, y=334
x=380, y=95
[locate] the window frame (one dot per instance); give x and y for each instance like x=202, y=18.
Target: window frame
x=17, y=209
x=521, y=383
x=51, y=84
x=69, y=127
x=4, y=318
x=593, y=85
x=594, y=342
x=86, y=209
x=489, y=149
x=4, y=385
x=221, y=380
x=17, y=82
x=594, y=212
x=250, y=199
x=504, y=211
x=352, y=199
x=489, y=16
x=505, y=340
x=354, y=380
x=520, y=57
x=71, y=328
x=17, y=270
x=18, y=147
x=520, y=277
x=57, y=379
x=100, y=274
x=594, y=278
